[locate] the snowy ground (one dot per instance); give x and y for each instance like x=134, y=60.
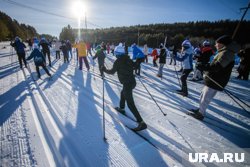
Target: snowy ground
x=59, y=122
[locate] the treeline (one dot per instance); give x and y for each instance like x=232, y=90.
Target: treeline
x=154, y=34
x=10, y=28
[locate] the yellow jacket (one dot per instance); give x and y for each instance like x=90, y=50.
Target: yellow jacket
x=81, y=47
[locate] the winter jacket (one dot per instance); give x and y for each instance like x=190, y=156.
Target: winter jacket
x=206, y=53
x=124, y=67
x=19, y=46
x=64, y=49
x=100, y=55
x=145, y=50
x=154, y=54
x=221, y=67
x=137, y=53
x=45, y=45
x=38, y=57
x=69, y=46
x=186, y=58
x=81, y=47
x=162, y=56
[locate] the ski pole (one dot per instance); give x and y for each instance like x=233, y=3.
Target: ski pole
x=177, y=76
x=229, y=94
x=152, y=97
x=103, y=113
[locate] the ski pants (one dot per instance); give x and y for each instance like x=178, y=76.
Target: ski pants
x=85, y=61
x=58, y=54
x=206, y=96
x=184, y=75
x=47, y=52
x=160, y=69
x=45, y=69
x=138, y=65
x=21, y=57
x=127, y=96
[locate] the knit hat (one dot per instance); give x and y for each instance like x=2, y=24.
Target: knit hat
x=186, y=44
x=119, y=50
x=206, y=43
x=225, y=40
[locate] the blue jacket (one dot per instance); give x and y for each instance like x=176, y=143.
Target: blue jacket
x=137, y=53
x=186, y=58
x=19, y=46
x=36, y=54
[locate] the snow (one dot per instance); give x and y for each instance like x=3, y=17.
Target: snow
x=59, y=122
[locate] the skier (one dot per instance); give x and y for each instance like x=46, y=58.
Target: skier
x=29, y=41
x=197, y=73
x=145, y=51
x=217, y=73
x=206, y=52
x=45, y=49
x=100, y=55
x=186, y=58
x=244, y=66
x=57, y=48
x=69, y=48
x=65, y=51
x=162, y=60
x=124, y=68
x=82, y=54
x=155, y=57
x=39, y=60
x=138, y=55
x=173, y=49
x=88, y=45
x=19, y=47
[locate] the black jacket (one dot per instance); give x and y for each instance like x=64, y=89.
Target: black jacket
x=45, y=45
x=124, y=67
x=100, y=55
x=162, y=56
x=19, y=46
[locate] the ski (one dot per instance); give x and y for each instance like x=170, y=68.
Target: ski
x=147, y=140
x=131, y=129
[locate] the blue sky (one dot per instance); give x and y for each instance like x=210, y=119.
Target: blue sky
x=112, y=13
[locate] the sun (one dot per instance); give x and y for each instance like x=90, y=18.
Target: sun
x=78, y=9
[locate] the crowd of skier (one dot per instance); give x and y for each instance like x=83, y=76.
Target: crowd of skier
x=212, y=66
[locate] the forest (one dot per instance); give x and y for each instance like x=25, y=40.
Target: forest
x=154, y=34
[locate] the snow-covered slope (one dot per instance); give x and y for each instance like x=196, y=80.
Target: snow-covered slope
x=59, y=122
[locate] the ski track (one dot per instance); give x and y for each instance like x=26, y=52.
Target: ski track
x=58, y=122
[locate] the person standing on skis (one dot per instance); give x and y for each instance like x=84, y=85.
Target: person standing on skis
x=19, y=47
x=100, y=55
x=39, y=60
x=187, y=59
x=124, y=67
x=45, y=49
x=217, y=73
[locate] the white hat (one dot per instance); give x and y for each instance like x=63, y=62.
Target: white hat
x=186, y=43
x=119, y=50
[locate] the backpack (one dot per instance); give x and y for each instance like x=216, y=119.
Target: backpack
x=38, y=60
